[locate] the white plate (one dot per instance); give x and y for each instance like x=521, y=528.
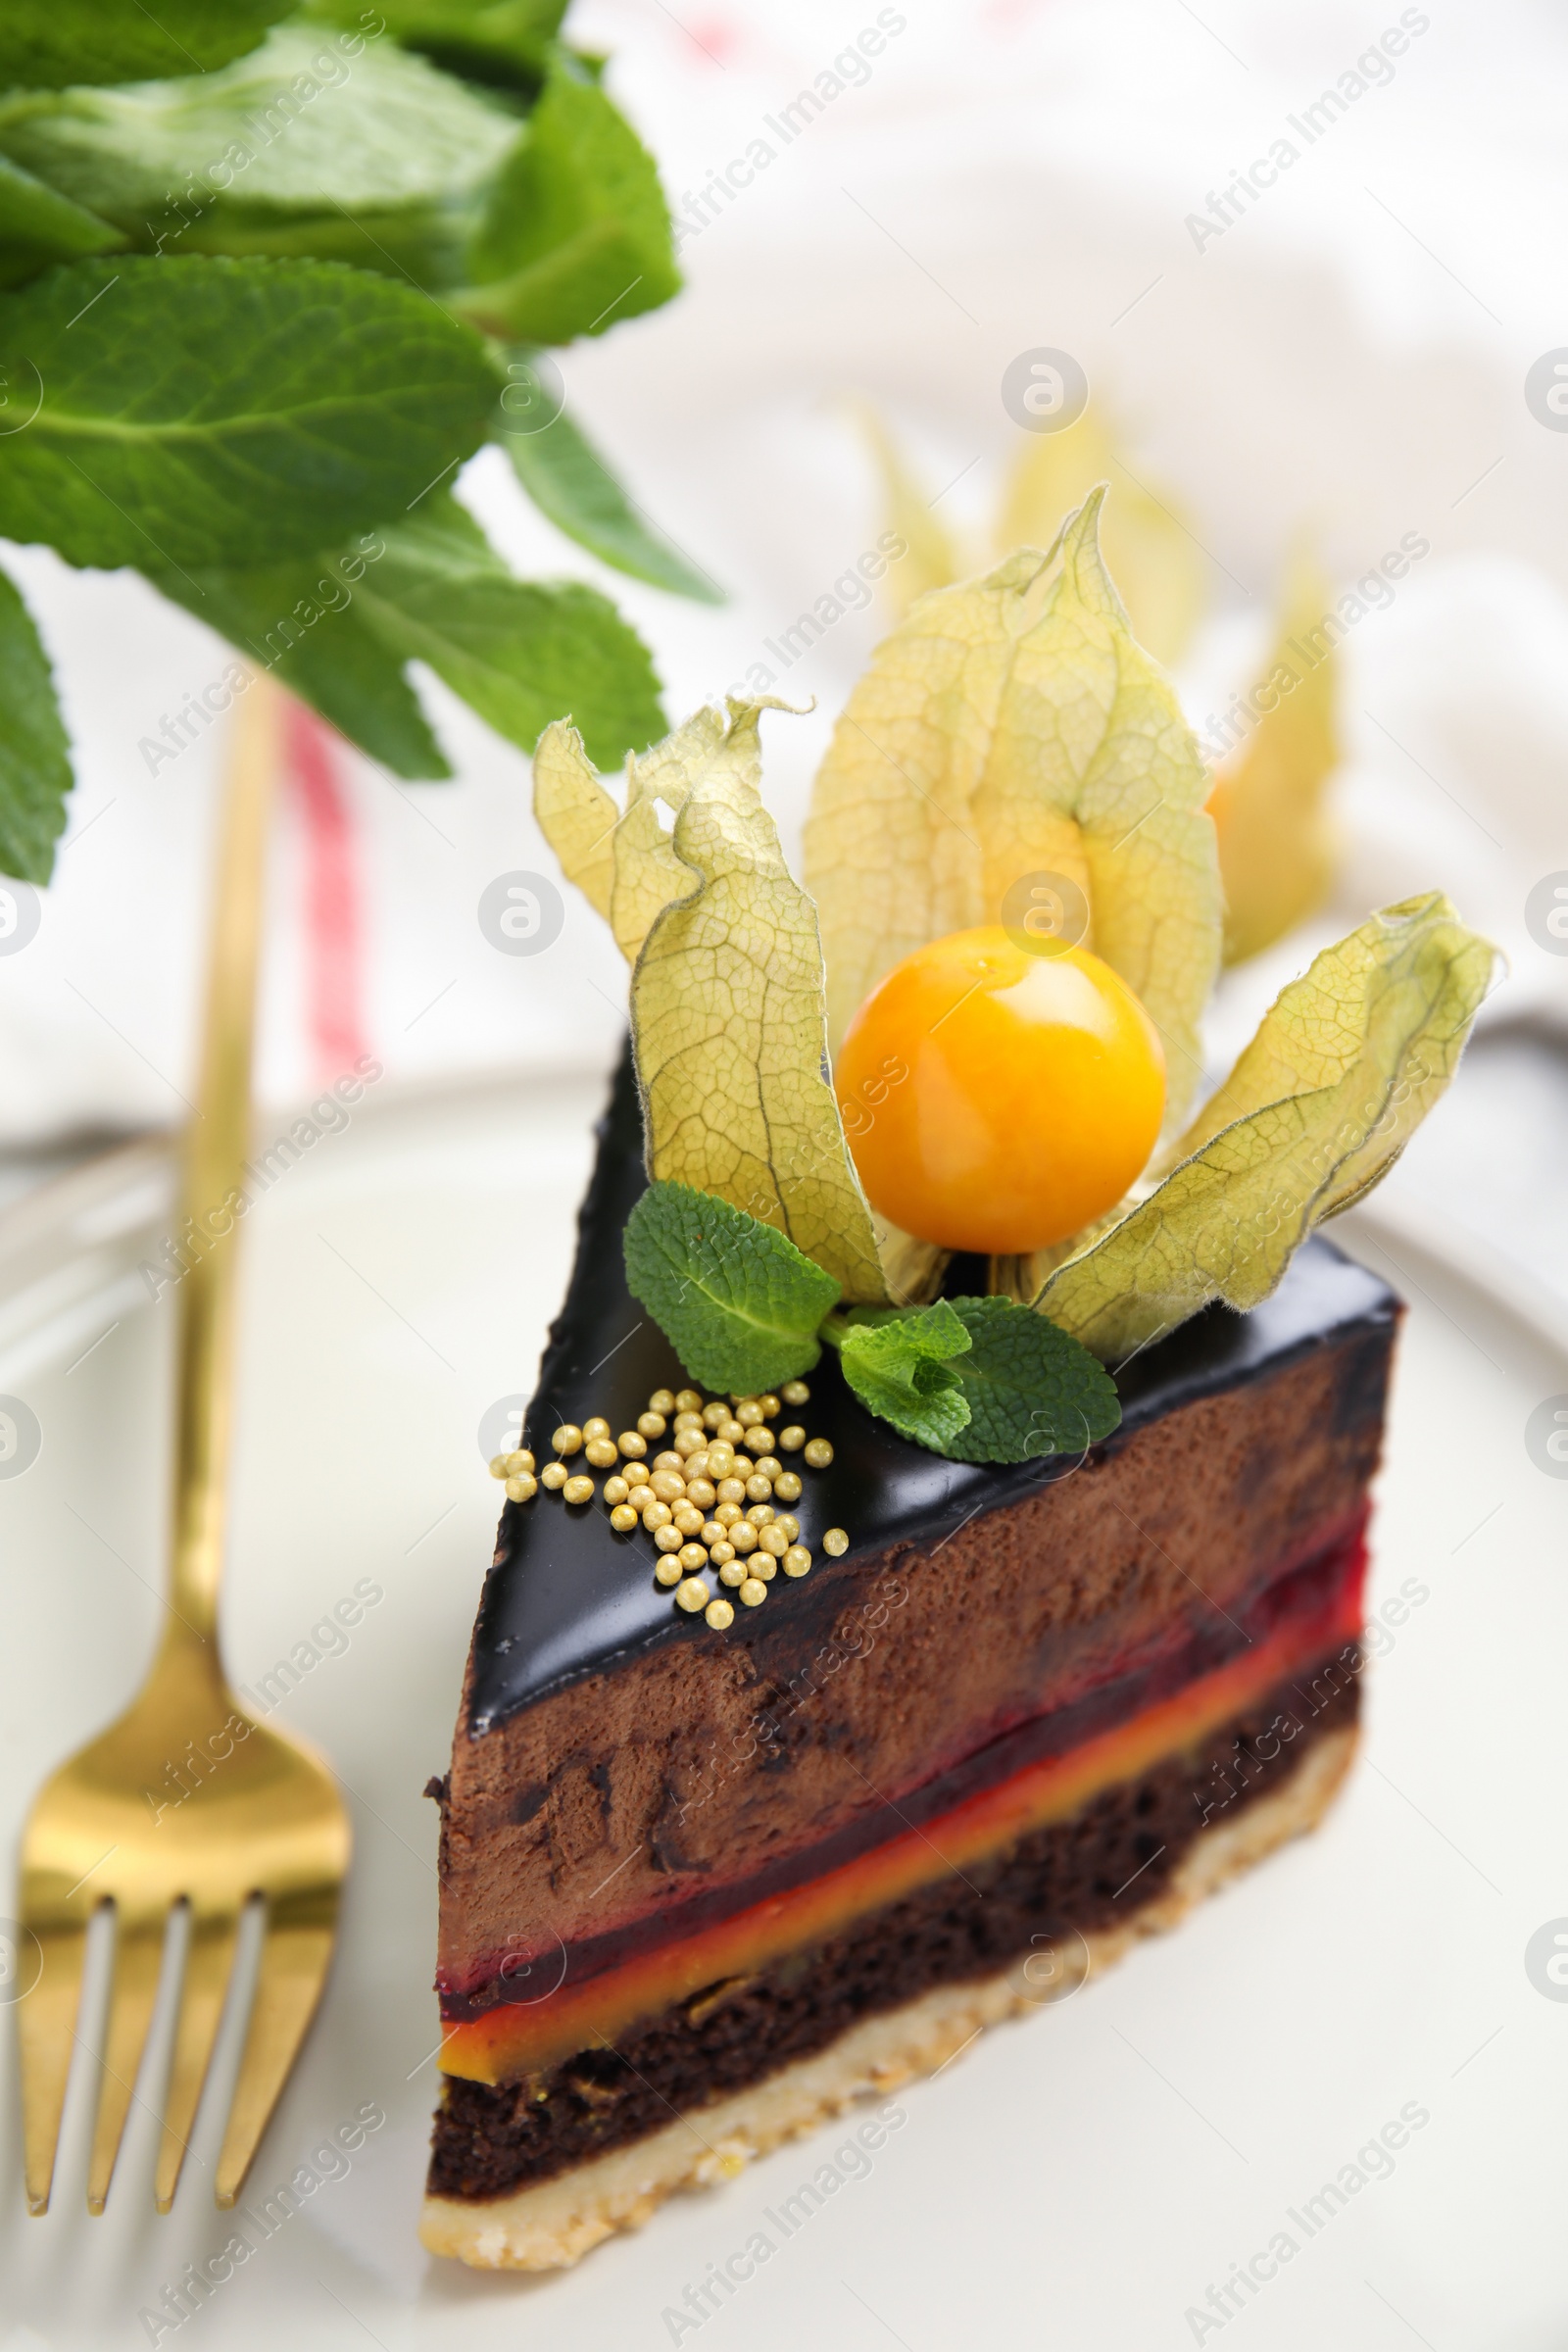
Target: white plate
x=1083, y=2179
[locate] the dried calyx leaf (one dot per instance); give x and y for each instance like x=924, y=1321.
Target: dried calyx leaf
x=1343, y=1069
x=1276, y=841
x=1010, y=727
x=727, y=1004
x=1148, y=552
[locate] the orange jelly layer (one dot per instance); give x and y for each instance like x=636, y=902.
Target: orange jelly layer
x=522, y=2037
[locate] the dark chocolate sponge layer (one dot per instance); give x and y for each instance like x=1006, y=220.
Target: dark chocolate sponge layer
x=1076, y=1874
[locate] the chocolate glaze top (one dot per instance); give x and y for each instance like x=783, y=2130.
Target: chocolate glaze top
x=567, y=1596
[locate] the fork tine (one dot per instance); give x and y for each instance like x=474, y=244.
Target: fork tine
x=209, y=1958
x=295, y=1953
x=139, y=1960
x=48, y=2024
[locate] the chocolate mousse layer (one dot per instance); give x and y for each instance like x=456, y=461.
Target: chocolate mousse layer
x=1092, y=1872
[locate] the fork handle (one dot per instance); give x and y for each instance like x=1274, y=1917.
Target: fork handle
x=216, y=1143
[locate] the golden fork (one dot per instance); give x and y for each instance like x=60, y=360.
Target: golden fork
x=261, y=1818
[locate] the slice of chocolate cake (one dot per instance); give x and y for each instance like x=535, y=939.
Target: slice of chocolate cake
x=701, y=1888
x=943, y=1621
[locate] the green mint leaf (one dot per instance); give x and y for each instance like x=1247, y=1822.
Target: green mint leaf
x=37, y=226
x=505, y=43
x=576, y=234
x=298, y=149
x=570, y=482
x=291, y=403
x=47, y=43
x=303, y=621
x=902, y=1369
x=34, y=755
x=738, y=1302
x=520, y=652
x=1030, y=1389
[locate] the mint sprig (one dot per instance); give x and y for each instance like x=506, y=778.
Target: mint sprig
x=979, y=1380
x=316, y=229
x=740, y=1305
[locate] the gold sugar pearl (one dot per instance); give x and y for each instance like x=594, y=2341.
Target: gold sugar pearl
x=758, y=1440
x=719, y=1615
x=632, y=1445
x=835, y=1542
x=689, y=1441
x=688, y=1400
x=667, y=1486
x=743, y=1535
x=731, y=1490
x=720, y=1459
x=731, y=1432
x=758, y=1488
x=794, y=1392
x=771, y=1408
x=722, y=1553
x=669, y=1538
x=577, y=1490
x=701, y=1492
x=797, y=1560
x=727, y=1512
x=761, y=1513
x=668, y=1571
x=688, y=1420
x=754, y=1593
x=596, y=1427
x=651, y=1425
x=732, y=1571
x=787, y=1488
x=692, y=1556
x=696, y=1463
x=623, y=1518
x=655, y=1514
x=791, y=1527
x=714, y=1414
x=768, y=1465
x=662, y=1401
x=670, y=1460
x=522, y=1487
x=498, y=1466
x=601, y=1452
x=791, y=1440
x=617, y=1491
x=749, y=1412
x=567, y=1438
x=635, y=1474
x=819, y=1453
x=713, y=1532
x=692, y=1593
x=553, y=1474
x=519, y=1462
x=763, y=1564
x=688, y=1518
x=774, y=1540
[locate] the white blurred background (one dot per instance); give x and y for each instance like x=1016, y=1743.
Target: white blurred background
x=1347, y=361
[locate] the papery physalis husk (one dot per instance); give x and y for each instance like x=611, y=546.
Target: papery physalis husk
x=931, y=560
x=1343, y=1068
x=1148, y=552
x=726, y=993
x=1276, y=841
x=1009, y=727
